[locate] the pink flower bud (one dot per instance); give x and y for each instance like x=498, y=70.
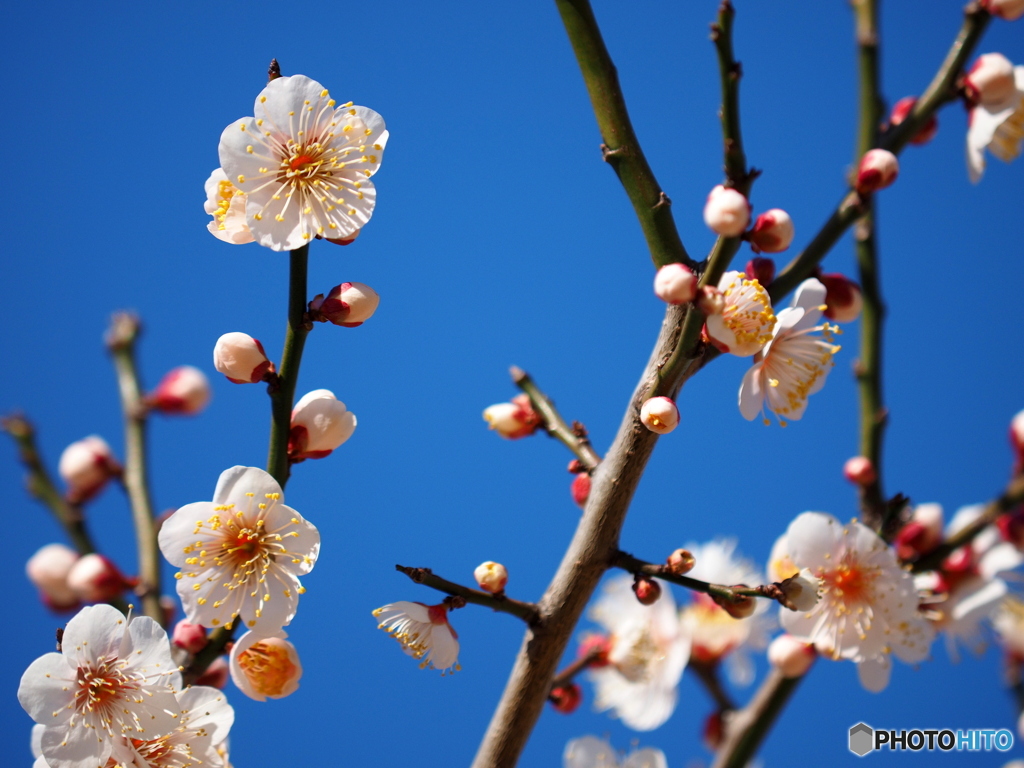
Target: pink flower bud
x=191, y=637
x=859, y=470
x=843, y=300
x=320, y=423
x=95, y=579
x=581, y=489
x=675, y=284
x=713, y=731
x=922, y=533
x=901, y=111
x=346, y=240
x=596, y=645
x=801, y=590
x=513, y=420
x=1007, y=9
x=739, y=607
x=1017, y=440
x=349, y=304
x=48, y=569
x=647, y=590
x=566, y=698
x=492, y=577
x=771, y=233
x=762, y=269
x=659, y=414
x=681, y=562
x=727, y=211
x=711, y=301
x=265, y=667
x=86, y=466
x=878, y=169
x=241, y=358
x=990, y=82
x=790, y=656
x=216, y=675
x=184, y=390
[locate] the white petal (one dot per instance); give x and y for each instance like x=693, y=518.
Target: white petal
x=589, y=752
x=235, y=485
x=76, y=747
x=178, y=532
x=208, y=709
x=812, y=536
x=42, y=692
x=810, y=294
x=751, y=393
x=645, y=758
x=874, y=673
x=1001, y=558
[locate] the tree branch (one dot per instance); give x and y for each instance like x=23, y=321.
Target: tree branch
x=528, y=612
x=746, y=729
x=573, y=438
x=707, y=673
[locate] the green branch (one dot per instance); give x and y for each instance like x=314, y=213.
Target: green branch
x=574, y=438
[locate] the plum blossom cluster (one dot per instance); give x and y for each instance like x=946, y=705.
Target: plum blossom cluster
x=113, y=693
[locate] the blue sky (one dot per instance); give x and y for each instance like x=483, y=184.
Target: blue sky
x=499, y=238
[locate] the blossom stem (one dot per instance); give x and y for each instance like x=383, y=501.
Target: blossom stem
x=730, y=72
x=747, y=728
x=568, y=674
x=121, y=338
x=635, y=565
x=574, y=438
x=528, y=612
x=1011, y=497
x=282, y=394
x=216, y=643
x=707, y=673
x=621, y=147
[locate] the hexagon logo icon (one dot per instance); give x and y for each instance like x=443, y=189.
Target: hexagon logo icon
x=861, y=739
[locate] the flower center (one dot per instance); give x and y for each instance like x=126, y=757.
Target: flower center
x=300, y=160
x=268, y=666
x=641, y=652
x=748, y=312
x=850, y=583
x=101, y=686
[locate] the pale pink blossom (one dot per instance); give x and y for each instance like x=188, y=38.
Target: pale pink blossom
x=348, y=304
x=424, y=633
x=112, y=679
x=843, y=299
x=878, y=169
x=726, y=211
x=794, y=363
x=790, y=656
x=191, y=637
x=660, y=415
x=1007, y=9
x=48, y=569
x=592, y=752
x=921, y=533
x=491, y=576
x=304, y=163
x=675, y=284
x=241, y=358
x=746, y=321
x=240, y=555
x=226, y=203
x=859, y=470
x=513, y=420
x=772, y=232
x=86, y=466
x=184, y=390
x=646, y=657
x=996, y=122
x=265, y=666
x=95, y=579
x=320, y=423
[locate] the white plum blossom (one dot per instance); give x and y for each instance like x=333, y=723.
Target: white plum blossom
x=265, y=666
x=996, y=122
x=304, y=163
x=794, y=363
x=113, y=679
x=48, y=569
x=241, y=358
x=226, y=203
x=491, y=576
x=660, y=415
x=423, y=632
x=745, y=323
x=726, y=211
x=714, y=634
x=320, y=423
x=592, y=752
x=1008, y=623
x=241, y=554
x=647, y=652
x=869, y=605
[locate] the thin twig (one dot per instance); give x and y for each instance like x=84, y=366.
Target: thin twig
x=707, y=673
x=570, y=672
x=573, y=439
x=621, y=147
x=746, y=729
x=121, y=338
x=528, y=612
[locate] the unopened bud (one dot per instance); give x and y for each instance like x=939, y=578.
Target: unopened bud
x=713, y=731
x=265, y=667
x=184, y=391
x=711, y=301
x=922, y=533
x=843, y=300
x=48, y=569
x=681, y=562
x=320, y=423
x=659, y=414
x=860, y=471
x=580, y=489
x=492, y=577
x=596, y=647
x=901, y=111
x=726, y=211
x=647, y=590
x=762, y=269
x=990, y=82
x=675, y=284
x=216, y=675
x=95, y=579
x=566, y=698
x=1006, y=9
x=349, y=304
x=346, y=240
x=790, y=656
x=241, y=358
x=86, y=466
x=1017, y=439
x=513, y=420
x=771, y=233
x=878, y=169
x=739, y=607
x=801, y=590
x=191, y=637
